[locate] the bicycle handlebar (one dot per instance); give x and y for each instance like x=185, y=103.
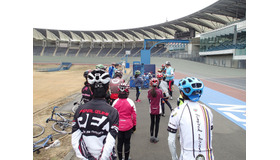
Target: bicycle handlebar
x=55, y=107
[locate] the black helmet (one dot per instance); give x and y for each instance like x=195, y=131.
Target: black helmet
x=118, y=74
x=86, y=73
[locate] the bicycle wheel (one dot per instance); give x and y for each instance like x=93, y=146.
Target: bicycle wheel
x=38, y=130
x=62, y=127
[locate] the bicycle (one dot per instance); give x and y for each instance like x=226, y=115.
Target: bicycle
x=38, y=130
x=61, y=125
x=37, y=146
x=45, y=143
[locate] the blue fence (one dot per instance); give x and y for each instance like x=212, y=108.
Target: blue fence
x=61, y=67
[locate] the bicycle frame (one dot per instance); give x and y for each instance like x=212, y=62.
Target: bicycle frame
x=38, y=147
x=57, y=114
x=60, y=125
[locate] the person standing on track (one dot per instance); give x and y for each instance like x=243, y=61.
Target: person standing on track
x=101, y=66
x=180, y=99
x=114, y=84
x=127, y=118
x=164, y=87
x=95, y=124
x=111, y=70
x=138, y=80
x=154, y=95
x=195, y=122
x=169, y=77
x=86, y=91
x=163, y=69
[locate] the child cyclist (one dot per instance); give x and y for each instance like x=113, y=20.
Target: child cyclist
x=195, y=122
x=127, y=120
x=154, y=96
x=164, y=87
x=138, y=80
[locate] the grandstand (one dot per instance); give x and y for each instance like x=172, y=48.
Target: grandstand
x=217, y=36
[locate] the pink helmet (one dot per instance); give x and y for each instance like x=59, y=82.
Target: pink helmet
x=154, y=82
x=123, y=89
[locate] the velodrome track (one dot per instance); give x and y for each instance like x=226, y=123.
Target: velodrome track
x=224, y=93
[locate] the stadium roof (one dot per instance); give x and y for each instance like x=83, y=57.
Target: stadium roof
x=212, y=17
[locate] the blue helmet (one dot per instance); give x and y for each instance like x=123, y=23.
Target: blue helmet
x=191, y=87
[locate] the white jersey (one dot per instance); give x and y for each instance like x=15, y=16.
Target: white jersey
x=195, y=122
x=164, y=87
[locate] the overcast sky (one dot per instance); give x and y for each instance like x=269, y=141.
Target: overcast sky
x=110, y=14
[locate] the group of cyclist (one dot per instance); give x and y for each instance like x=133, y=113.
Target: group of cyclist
x=108, y=113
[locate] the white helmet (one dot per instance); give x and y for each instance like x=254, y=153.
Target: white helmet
x=168, y=63
x=98, y=76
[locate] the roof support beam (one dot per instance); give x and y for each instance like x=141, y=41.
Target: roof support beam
x=112, y=35
x=132, y=34
x=143, y=33
x=152, y=31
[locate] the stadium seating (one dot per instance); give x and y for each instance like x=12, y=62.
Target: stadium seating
x=37, y=50
x=83, y=52
x=103, y=52
x=72, y=52
x=92, y=52
x=49, y=51
x=60, y=51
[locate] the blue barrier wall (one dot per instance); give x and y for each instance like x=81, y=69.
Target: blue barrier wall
x=62, y=66
x=148, y=68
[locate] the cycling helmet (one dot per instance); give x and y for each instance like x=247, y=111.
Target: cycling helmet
x=100, y=66
x=159, y=75
x=163, y=65
x=86, y=73
x=137, y=72
x=118, y=74
x=168, y=63
x=123, y=89
x=154, y=82
x=98, y=78
x=191, y=87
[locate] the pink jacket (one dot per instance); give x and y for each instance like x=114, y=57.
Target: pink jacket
x=127, y=113
x=155, y=105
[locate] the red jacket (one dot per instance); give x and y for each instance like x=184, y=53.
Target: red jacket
x=127, y=113
x=155, y=106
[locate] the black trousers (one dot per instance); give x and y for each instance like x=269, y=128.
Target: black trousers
x=162, y=105
x=155, y=119
x=124, y=140
x=137, y=93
